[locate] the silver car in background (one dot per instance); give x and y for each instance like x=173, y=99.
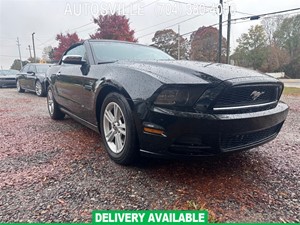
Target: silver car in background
x=8, y=78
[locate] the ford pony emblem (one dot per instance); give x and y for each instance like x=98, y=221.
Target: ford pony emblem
x=255, y=94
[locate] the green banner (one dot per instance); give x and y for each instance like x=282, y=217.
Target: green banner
x=147, y=217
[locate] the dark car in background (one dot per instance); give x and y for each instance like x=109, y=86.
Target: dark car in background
x=141, y=100
x=33, y=78
x=8, y=78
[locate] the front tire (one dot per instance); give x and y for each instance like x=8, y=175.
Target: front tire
x=53, y=108
x=118, y=130
x=19, y=89
x=39, y=89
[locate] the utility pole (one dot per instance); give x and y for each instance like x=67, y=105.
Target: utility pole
x=228, y=37
x=29, y=51
x=34, y=56
x=220, y=31
x=18, y=44
x=178, y=38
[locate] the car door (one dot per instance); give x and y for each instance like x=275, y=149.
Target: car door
x=22, y=76
x=89, y=94
x=30, y=78
x=69, y=80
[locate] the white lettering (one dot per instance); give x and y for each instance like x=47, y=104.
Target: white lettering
x=79, y=10
x=141, y=215
x=151, y=218
x=68, y=9
x=201, y=218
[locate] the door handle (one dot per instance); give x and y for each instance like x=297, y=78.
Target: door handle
x=88, y=87
x=58, y=73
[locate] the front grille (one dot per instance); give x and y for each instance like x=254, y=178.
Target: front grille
x=248, y=95
x=231, y=142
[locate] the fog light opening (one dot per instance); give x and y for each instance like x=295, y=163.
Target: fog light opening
x=154, y=131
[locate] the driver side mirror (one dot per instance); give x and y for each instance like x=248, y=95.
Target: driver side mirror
x=73, y=59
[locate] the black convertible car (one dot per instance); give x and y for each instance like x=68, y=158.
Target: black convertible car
x=32, y=77
x=141, y=100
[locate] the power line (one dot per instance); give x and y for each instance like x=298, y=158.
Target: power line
x=133, y=3
x=264, y=14
x=160, y=23
x=226, y=21
x=212, y=25
x=81, y=26
x=177, y=22
x=76, y=28
x=50, y=39
x=285, y=14
x=150, y=4
x=89, y=29
x=247, y=21
x=171, y=25
x=248, y=17
x=205, y=6
x=249, y=14
x=125, y=7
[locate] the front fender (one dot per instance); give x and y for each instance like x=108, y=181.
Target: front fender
x=138, y=84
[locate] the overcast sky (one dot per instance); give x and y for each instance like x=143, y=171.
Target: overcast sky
x=20, y=18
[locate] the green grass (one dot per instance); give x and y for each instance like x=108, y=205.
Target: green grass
x=291, y=91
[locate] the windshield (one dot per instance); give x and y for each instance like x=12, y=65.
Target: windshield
x=8, y=72
x=111, y=51
x=42, y=68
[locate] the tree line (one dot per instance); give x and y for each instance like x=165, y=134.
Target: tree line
x=273, y=46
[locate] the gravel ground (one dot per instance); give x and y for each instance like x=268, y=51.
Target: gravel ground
x=57, y=171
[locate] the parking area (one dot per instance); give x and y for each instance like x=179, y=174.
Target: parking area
x=291, y=82
x=57, y=171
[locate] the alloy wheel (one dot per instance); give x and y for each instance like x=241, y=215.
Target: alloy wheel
x=114, y=127
x=38, y=88
x=18, y=85
x=50, y=102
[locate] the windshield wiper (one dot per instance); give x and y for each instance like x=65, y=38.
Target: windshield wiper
x=106, y=62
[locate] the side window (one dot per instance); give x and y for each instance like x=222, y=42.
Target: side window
x=79, y=50
x=31, y=69
x=25, y=69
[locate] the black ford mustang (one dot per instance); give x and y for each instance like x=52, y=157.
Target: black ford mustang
x=143, y=101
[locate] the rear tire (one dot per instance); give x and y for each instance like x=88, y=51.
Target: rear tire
x=53, y=108
x=118, y=130
x=19, y=89
x=39, y=89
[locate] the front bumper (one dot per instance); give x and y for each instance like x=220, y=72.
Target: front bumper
x=196, y=134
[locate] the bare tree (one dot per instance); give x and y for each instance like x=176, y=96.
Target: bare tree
x=270, y=25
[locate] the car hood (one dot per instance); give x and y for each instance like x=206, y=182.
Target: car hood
x=175, y=71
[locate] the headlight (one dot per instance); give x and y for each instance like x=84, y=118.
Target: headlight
x=172, y=97
x=181, y=95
